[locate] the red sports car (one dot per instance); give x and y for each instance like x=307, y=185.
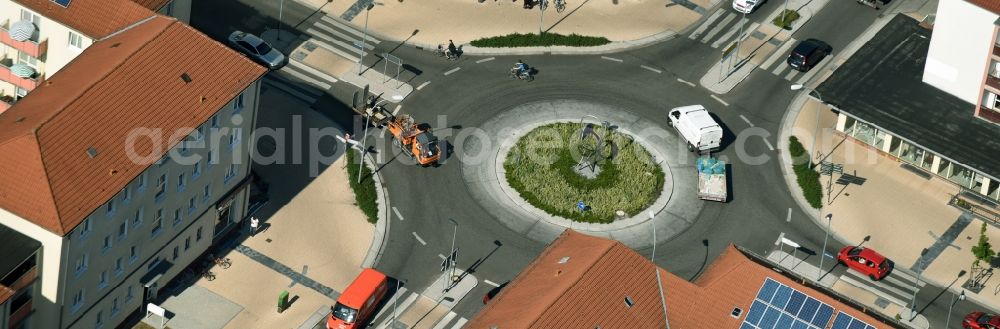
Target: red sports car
x=980, y=320
x=866, y=261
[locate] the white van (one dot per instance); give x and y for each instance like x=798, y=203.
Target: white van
x=699, y=130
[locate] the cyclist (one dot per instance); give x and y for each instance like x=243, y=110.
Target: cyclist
x=452, y=50
x=520, y=68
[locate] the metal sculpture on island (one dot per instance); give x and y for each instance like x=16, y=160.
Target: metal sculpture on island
x=595, y=148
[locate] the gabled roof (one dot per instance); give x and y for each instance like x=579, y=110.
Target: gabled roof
x=94, y=18
x=126, y=82
x=153, y=5
x=588, y=291
x=991, y=5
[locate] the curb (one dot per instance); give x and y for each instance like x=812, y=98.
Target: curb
x=377, y=247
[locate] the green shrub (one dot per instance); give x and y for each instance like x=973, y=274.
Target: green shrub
x=364, y=192
x=533, y=40
x=807, y=178
x=785, y=19
x=540, y=168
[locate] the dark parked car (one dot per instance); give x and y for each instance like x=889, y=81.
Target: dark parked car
x=257, y=49
x=808, y=53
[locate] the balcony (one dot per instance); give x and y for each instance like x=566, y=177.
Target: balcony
x=20, y=313
x=32, y=46
x=28, y=84
x=25, y=279
x=989, y=114
x=996, y=50
x=993, y=82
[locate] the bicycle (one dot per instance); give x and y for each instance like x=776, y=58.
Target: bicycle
x=441, y=51
x=223, y=262
x=208, y=275
x=560, y=5
x=526, y=75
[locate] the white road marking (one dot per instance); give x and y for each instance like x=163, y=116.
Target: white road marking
x=281, y=85
x=348, y=28
x=908, y=285
x=651, y=69
x=858, y=284
x=458, y=325
x=781, y=68
x=789, y=217
x=491, y=283
x=769, y=146
x=452, y=70
x=442, y=256
x=725, y=21
x=422, y=85
x=612, y=59
x=746, y=120
x=402, y=309
x=394, y=210
x=444, y=321
x=419, y=239
x=778, y=54
x=720, y=100
x=686, y=82
x=485, y=60
x=822, y=64
x=392, y=301
x=878, y=284
x=704, y=26
x=726, y=36
x=396, y=110
x=791, y=75
x=307, y=68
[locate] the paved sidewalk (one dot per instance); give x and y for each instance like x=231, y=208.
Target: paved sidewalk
x=437, y=21
x=901, y=211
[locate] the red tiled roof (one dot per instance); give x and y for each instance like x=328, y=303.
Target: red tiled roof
x=991, y=5
x=153, y=5
x=131, y=80
x=94, y=18
x=589, y=290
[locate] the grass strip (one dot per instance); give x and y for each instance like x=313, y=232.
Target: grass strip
x=534, y=40
x=807, y=178
x=365, y=195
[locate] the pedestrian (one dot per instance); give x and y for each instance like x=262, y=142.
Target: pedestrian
x=254, y=225
x=452, y=50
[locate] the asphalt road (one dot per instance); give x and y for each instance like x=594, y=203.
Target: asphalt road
x=457, y=103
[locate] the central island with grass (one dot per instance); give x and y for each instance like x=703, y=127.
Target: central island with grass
x=584, y=172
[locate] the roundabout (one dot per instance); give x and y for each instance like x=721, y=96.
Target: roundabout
x=669, y=202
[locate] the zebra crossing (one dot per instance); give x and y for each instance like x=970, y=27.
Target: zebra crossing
x=308, y=83
x=406, y=305
x=722, y=28
x=898, y=287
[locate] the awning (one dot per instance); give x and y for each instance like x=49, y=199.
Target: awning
x=22, y=70
x=22, y=30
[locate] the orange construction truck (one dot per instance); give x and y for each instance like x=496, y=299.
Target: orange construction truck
x=358, y=302
x=415, y=140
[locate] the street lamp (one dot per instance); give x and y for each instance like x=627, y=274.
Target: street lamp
x=364, y=38
x=913, y=302
x=817, y=132
x=451, y=256
x=819, y=272
x=659, y=283
x=960, y=297
x=281, y=6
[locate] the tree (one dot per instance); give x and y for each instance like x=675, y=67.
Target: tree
x=983, y=251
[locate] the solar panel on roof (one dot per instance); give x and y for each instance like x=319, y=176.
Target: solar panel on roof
x=64, y=3
x=778, y=306
x=846, y=321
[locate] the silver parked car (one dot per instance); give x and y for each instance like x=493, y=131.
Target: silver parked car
x=258, y=50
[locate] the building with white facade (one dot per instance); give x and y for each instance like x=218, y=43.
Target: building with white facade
x=125, y=165
x=39, y=37
x=964, y=55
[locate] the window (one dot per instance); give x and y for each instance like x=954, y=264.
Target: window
x=100, y=319
x=211, y=158
x=215, y=121
x=142, y=182
x=184, y=145
x=177, y=216
x=75, y=41
x=77, y=300
x=114, y=306
x=107, y=244
x=234, y=139
x=191, y=205
x=30, y=16
x=198, y=235
x=207, y=192
x=109, y=208
x=81, y=264
x=180, y=182
x=85, y=227
x=197, y=171
x=201, y=133
x=162, y=161
x=122, y=230
x=137, y=220
x=230, y=173
x=103, y=280
x=157, y=224
x=161, y=186
x=119, y=268
x=133, y=254
x=177, y=252
x=24, y=58
x=187, y=243
x=126, y=194
x=128, y=294
x=238, y=104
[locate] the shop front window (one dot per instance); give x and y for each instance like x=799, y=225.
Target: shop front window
x=962, y=176
x=849, y=126
x=928, y=161
x=993, y=190
x=864, y=132
x=895, y=145
x=879, y=139
x=910, y=153
x=945, y=168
